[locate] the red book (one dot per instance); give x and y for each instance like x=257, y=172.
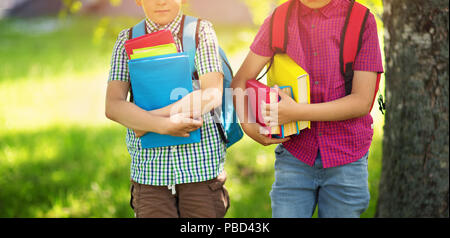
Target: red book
x=258, y=93
x=153, y=39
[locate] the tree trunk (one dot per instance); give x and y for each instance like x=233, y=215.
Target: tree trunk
x=415, y=171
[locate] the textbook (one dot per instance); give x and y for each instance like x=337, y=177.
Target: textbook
x=286, y=72
x=148, y=40
x=157, y=82
x=258, y=93
x=154, y=51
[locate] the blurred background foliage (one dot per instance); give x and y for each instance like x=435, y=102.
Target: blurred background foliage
x=60, y=156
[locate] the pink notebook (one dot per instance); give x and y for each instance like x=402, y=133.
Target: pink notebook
x=258, y=93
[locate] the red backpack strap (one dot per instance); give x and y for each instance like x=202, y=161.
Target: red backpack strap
x=351, y=40
x=279, y=30
x=279, y=26
x=381, y=104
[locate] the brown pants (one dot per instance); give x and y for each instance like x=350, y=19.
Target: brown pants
x=204, y=199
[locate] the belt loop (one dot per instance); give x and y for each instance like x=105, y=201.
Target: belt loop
x=172, y=187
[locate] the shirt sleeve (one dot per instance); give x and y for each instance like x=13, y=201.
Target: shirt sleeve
x=207, y=57
x=119, y=60
x=369, y=56
x=261, y=44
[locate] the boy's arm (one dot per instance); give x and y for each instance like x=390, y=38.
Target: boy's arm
x=209, y=69
x=367, y=64
x=355, y=105
x=252, y=66
x=200, y=101
x=118, y=109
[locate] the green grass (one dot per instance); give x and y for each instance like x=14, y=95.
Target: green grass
x=49, y=47
x=84, y=172
x=64, y=172
x=59, y=155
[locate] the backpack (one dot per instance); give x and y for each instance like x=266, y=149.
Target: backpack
x=225, y=117
x=350, y=44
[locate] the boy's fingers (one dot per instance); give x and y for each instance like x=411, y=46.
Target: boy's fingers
x=199, y=120
x=272, y=107
x=273, y=124
x=192, y=128
x=184, y=117
x=278, y=141
x=267, y=119
x=176, y=118
x=282, y=94
x=270, y=121
x=197, y=123
x=197, y=114
x=263, y=130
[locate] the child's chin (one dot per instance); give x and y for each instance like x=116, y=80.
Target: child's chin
x=163, y=19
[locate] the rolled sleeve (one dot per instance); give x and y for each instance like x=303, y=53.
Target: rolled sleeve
x=119, y=60
x=207, y=57
x=261, y=44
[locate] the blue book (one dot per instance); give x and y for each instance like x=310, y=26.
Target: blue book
x=157, y=82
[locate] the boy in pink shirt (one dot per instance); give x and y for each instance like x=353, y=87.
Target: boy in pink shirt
x=327, y=164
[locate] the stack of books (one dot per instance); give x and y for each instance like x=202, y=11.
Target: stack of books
x=286, y=72
x=292, y=80
x=159, y=76
x=154, y=44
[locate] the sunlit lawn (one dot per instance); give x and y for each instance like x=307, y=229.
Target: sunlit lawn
x=59, y=155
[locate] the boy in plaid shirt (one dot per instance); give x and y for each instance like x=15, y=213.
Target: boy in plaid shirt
x=173, y=181
x=325, y=166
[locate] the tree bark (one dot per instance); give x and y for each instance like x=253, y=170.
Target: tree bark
x=415, y=171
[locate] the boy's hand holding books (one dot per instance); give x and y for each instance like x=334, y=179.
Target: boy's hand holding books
x=179, y=124
x=259, y=134
x=278, y=113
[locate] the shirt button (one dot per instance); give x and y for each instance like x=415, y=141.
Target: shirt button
x=320, y=133
x=312, y=26
x=316, y=82
x=315, y=53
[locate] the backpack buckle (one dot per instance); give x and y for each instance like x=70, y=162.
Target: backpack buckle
x=381, y=104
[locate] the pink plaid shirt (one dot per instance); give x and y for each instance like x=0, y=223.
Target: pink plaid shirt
x=317, y=50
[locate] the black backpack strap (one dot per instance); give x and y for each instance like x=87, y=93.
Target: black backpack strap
x=130, y=36
x=351, y=41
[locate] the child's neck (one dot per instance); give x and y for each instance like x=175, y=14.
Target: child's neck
x=315, y=3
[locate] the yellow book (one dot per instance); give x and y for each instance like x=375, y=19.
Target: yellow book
x=290, y=128
x=285, y=72
x=154, y=51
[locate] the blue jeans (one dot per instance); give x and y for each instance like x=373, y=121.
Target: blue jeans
x=341, y=191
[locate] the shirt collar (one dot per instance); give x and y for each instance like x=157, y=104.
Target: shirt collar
x=326, y=10
x=173, y=26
